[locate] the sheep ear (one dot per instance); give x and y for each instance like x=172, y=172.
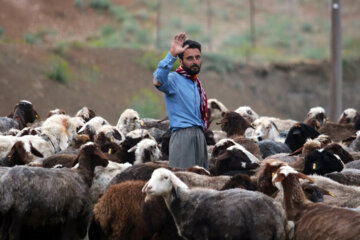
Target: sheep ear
x=35, y=152
x=177, y=183
x=279, y=178
x=144, y=187
x=277, y=129
x=76, y=161
x=132, y=149
x=303, y=176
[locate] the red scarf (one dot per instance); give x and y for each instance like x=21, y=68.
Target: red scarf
x=203, y=98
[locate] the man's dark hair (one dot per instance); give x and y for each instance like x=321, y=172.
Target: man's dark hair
x=192, y=44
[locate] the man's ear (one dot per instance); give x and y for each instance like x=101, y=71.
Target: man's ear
x=180, y=62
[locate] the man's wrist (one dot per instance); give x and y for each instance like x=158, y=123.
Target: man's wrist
x=173, y=54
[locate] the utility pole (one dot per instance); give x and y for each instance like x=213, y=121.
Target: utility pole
x=252, y=24
x=209, y=22
x=336, y=61
x=158, y=23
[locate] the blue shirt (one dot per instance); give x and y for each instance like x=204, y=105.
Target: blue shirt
x=182, y=96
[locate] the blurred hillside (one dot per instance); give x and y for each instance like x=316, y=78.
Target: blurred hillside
x=101, y=53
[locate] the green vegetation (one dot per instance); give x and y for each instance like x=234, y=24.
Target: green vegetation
x=147, y=104
x=79, y=4
x=107, y=30
x=102, y=5
x=218, y=63
x=2, y=32
x=32, y=38
x=119, y=12
x=151, y=59
x=58, y=70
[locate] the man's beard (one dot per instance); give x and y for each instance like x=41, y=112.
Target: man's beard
x=191, y=70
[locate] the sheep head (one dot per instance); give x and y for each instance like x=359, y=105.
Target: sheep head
x=162, y=182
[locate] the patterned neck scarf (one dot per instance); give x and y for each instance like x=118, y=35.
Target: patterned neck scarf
x=203, y=98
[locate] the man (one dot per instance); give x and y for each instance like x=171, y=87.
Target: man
x=186, y=103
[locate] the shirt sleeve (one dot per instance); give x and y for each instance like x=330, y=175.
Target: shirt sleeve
x=162, y=73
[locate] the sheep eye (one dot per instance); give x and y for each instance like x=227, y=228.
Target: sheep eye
x=166, y=177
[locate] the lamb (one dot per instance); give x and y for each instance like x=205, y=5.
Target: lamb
x=120, y=153
x=111, y=133
x=146, y=151
x=204, y=206
x=24, y=113
x=235, y=158
x=247, y=113
x=86, y=113
x=129, y=120
x=55, y=111
x=322, y=162
x=216, y=109
x=314, y=220
x=349, y=115
x=265, y=129
x=92, y=126
x=20, y=154
x=298, y=135
x=234, y=124
x=318, y=114
x=63, y=194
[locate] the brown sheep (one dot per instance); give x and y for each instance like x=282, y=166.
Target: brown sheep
x=314, y=220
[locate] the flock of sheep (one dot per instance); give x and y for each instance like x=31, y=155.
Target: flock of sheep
x=79, y=177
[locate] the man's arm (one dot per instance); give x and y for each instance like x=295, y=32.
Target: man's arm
x=165, y=65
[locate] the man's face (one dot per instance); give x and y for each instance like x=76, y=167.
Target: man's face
x=191, y=62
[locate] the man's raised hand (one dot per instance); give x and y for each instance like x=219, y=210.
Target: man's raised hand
x=176, y=44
